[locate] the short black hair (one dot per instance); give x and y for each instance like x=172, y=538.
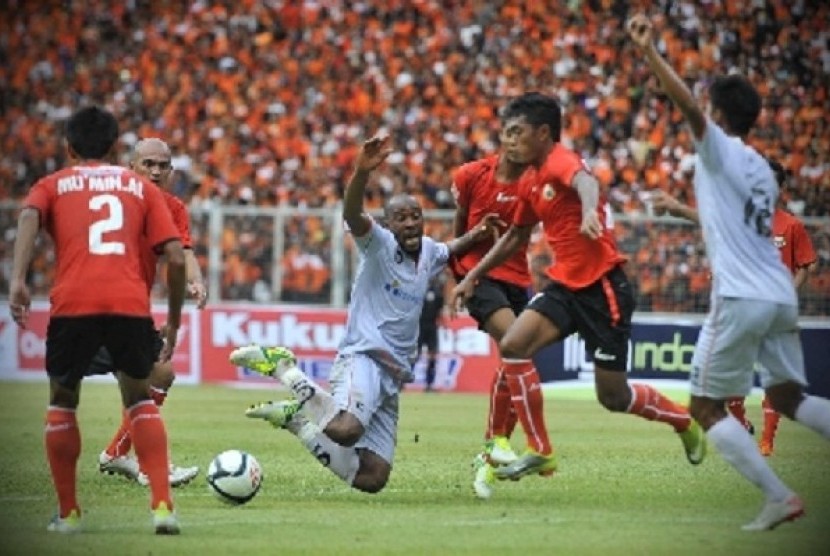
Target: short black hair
x=91, y=132
x=779, y=171
x=538, y=109
x=738, y=101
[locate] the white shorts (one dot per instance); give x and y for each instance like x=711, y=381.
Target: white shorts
x=738, y=333
x=361, y=387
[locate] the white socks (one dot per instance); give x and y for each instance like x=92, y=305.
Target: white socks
x=318, y=404
x=342, y=461
x=739, y=450
x=814, y=413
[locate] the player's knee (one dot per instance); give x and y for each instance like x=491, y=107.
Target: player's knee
x=512, y=346
x=345, y=429
x=614, y=399
x=785, y=398
x=706, y=412
x=162, y=376
x=67, y=398
x=372, y=476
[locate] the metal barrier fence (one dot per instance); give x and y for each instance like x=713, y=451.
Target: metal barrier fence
x=304, y=256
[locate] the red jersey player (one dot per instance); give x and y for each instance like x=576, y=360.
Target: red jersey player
x=589, y=292
x=100, y=217
x=797, y=253
x=152, y=159
x=485, y=186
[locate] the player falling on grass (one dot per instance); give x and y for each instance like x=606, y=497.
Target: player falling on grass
x=797, y=253
x=152, y=159
x=753, y=315
x=589, y=292
x=491, y=185
x=352, y=430
x=101, y=218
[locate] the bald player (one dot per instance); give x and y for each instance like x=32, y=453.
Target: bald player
x=151, y=158
x=352, y=430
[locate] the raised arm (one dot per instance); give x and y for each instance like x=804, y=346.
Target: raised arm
x=371, y=155
x=28, y=224
x=641, y=31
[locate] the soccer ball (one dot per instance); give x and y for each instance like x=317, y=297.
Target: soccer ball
x=234, y=477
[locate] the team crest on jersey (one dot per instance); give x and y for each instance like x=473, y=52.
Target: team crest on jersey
x=548, y=192
x=780, y=241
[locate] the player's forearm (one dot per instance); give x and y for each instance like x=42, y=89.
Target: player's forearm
x=676, y=90
x=503, y=249
x=587, y=187
x=176, y=279
x=353, y=212
x=685, y=211
x=193, y=272
x=28, y=224
x=801, y=275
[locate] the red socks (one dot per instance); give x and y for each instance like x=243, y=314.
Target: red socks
x=771, y=419
x=501, y=419
x=63, y=447
x=150, y=439
x=121, y=443
x=736, y=407
x=528, y=404
x=650, y=404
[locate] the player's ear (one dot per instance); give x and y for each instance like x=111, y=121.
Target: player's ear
x=69, y=151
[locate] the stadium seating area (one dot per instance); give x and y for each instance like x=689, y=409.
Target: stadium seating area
x=263, y=102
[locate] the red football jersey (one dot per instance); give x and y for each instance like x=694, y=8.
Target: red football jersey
x=792, y=240
x=98, y=216
x=476, y=189
x=578, y=260
x=181, y=219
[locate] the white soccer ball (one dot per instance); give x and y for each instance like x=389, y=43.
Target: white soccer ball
x=234, y=477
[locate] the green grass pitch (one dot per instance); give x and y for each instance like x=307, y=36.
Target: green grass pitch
x=623, y=486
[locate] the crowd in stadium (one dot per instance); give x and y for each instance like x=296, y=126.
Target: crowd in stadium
x=264, y=102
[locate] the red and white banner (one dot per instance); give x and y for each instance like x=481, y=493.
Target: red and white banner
x=466, y=362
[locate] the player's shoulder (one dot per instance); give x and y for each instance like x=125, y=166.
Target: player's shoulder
x=173, y=203
x=470, y=171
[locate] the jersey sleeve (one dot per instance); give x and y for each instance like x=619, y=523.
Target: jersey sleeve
x=803, y=251
x=40, y=197
x=158, y=224
x=439, y=256
x=712, y=146
x=181, y=219
x=566, y=167
x=373, y=241
x=461, y=187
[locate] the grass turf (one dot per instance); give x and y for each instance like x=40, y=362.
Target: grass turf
x=623, y=486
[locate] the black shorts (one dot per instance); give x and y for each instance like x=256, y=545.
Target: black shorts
x=601, y=313
x=428, y=336
x=102, y=363
x=491, y=295
x=72, y=342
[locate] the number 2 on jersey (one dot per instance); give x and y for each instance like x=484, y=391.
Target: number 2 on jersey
x=115, y=221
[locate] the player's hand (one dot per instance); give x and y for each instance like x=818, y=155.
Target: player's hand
x=169, y=335
x=490, y=227
x=459, y=296
x=662, y=202
x=591, y=227
x=19, y=302
x=373, y=152
x=198, y=292
x=640, y=30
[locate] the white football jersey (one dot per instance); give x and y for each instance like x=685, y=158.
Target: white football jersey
x=387, y=295
x=736, y=194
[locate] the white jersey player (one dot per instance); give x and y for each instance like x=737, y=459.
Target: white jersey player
x=754, y=309
x=353, y=429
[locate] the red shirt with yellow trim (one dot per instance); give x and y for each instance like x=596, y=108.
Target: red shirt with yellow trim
x=549, y=198
x=475, y=188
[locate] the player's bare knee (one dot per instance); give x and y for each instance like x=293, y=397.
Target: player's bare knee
x=707, y=412
x=614, y=400
x=373, y=474
x=61, y=396
x=345, y=429
x=513, y=347
x=785, y=398
x=162, y=376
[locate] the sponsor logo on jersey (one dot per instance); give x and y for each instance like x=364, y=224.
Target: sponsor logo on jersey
x=502, y=198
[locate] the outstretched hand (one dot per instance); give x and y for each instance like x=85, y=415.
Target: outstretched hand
x=641, y=30
x=662, y=202
x=373, y=152
x=489, y=227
